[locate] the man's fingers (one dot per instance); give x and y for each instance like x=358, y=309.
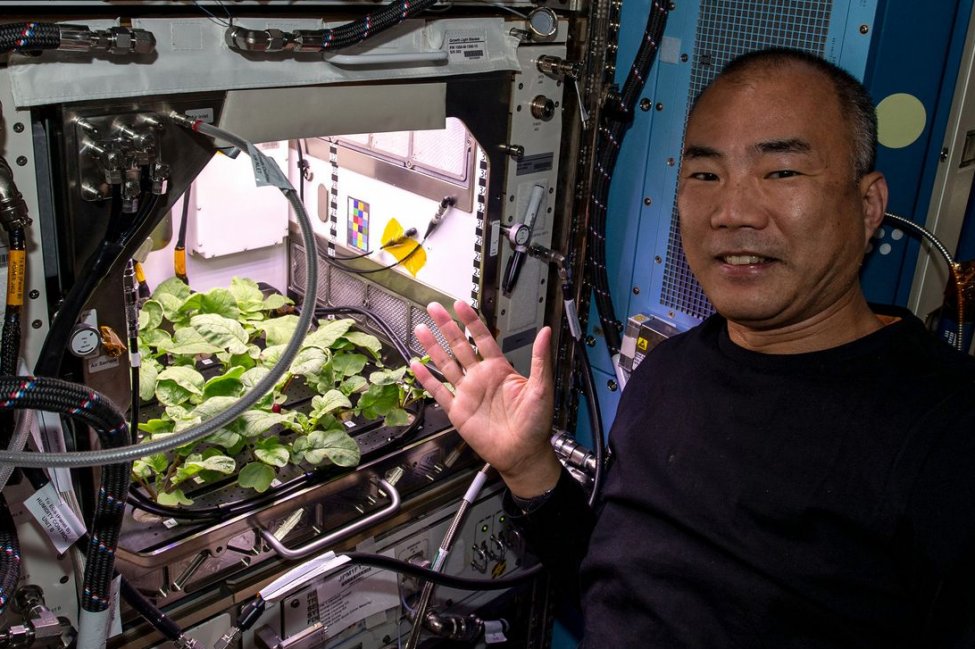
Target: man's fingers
x=451, y=370
x=487, y=347
x=463, y=352
x=437, y=390
x=541, y=367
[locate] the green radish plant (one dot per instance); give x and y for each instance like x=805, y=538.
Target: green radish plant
x=202, y=351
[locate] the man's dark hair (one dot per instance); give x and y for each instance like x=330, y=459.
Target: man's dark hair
x=856, y=106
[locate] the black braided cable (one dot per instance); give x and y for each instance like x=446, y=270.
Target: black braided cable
x=645, y=56
x=10, y=345
x=159, y=620
x=9, y=555
x=96, y=410
x=119, y=234
x=29, y=37
x=373, y=23
x=10, y=338
x=616, y=120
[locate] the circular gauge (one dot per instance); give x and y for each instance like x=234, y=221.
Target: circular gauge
x=543, y=23
x=84, y=340
x=520, y=234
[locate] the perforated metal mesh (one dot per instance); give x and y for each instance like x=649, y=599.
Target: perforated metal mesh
x=420, y=316
x=394, y=310
x=344, y=289
x=336, y=288
x=725, y=29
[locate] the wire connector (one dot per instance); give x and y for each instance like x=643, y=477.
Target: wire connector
x=445, y=204
x=13, y=209
x=573, y=453
x=115, y=40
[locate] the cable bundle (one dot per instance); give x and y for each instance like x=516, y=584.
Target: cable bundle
x=617, y=117
x=95, y=410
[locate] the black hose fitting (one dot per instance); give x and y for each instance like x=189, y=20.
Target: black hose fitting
x=13, y=209
x=9, y=555
x=616, y=109
x=31, y=38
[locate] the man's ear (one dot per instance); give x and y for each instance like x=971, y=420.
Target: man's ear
x=873, y=194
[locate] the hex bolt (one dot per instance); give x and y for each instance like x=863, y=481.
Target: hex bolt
x=612, y=385
x=644, y=104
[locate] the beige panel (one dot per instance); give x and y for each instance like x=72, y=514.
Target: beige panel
x=287, y=113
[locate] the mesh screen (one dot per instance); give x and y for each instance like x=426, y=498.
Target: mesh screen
x=336, y=288
x=420, y=316
x=346, y=290
x=725, y=29
x=390, y=308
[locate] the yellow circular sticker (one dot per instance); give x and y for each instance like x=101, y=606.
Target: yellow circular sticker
x=900, y=120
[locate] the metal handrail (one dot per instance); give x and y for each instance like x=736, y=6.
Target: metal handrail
x=340, y=534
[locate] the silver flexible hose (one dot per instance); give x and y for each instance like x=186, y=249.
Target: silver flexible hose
x=218, y=421
x=21, y=432
x=940, y=247
x=441, y=558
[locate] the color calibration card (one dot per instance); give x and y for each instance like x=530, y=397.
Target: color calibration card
x=358, y=224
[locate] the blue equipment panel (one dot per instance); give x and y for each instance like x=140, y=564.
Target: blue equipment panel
x=917, y=53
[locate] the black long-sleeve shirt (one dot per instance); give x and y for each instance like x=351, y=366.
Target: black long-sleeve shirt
x=815, y=500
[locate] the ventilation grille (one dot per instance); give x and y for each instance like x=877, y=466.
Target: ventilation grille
x=726, y=29
x=336, y=288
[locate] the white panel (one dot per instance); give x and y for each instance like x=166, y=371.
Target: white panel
x=191, y=55
x=233, y=214
x=522, y=313
x=449, y=249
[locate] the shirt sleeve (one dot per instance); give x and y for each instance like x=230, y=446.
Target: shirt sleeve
x=557, y=531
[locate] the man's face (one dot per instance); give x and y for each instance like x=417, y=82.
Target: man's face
x=774, y=224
